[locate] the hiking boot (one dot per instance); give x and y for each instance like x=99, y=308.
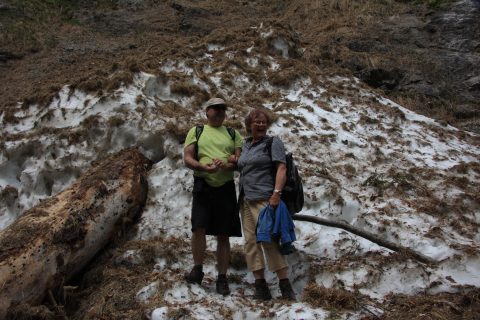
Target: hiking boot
x=222, y=285
x=262, y=292
x=195, y=276
x=287, y=290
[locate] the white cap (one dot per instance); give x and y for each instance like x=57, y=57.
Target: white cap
x=215, y=102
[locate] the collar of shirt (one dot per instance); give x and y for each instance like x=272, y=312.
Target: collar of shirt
x=249, y=140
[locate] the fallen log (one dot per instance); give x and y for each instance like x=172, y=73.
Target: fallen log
x=369, y=236
x=54, y=240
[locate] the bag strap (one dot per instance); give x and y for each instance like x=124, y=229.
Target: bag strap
x=198, y=133
x=268, y=146
x=231, y=132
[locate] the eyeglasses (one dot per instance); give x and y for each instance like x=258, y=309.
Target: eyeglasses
x=259, y=123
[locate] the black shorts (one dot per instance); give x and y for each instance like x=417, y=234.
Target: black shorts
x=215, y=209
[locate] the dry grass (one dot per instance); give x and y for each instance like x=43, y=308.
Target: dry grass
x=183, y=88
x=177, y=130
x=173, y=110
x=9, y=191
x=402, y=182
x=284, y=78
x=377, y=138
x=90, y=85
x=462, y=305
x=287, y=105
x=434, y=207
x=376, y=181
x=425, y=174
x=122, y=78
x=30, y=26
x=115, y=121
x=330, y=298
x=74, y=136
x=349, y=170
x=325, y=106
x=296, y=23
x=463, y=183
x=107, y=290
x=234, y=123
x=9, y=117
x=428, y=106
x=364, y=119
x=467, y=167
x=178, y=313
x=25, y=311
x=91, y=122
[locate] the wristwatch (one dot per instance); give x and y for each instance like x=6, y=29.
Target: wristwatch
x=277, y=191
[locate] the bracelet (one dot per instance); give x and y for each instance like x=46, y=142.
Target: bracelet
x=277, y=191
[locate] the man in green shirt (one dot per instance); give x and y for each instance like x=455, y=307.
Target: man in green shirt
x=214, y=205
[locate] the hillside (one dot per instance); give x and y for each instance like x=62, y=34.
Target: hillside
x=425, y=57
x=362, y=91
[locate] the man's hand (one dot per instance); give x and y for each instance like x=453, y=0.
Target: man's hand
x=219, y=163
x=222, y=165
x=211, y=167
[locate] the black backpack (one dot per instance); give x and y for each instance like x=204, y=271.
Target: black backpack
x=198, y=133
x=292, y=193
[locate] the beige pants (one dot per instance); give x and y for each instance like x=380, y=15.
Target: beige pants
x=254, y=251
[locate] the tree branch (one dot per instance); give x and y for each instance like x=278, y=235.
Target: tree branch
x=364, y=234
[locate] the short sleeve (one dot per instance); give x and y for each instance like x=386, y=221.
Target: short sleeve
x=278, y=150
x=238, y=139
x=190, y=138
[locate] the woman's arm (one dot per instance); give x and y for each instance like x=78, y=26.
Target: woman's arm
x=280, y=180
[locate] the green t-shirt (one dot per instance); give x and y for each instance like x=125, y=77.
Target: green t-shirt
x=215, y=142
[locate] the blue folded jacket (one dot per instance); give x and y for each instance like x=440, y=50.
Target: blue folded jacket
x=276, y=224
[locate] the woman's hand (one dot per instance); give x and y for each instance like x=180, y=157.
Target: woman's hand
x=274, y=200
